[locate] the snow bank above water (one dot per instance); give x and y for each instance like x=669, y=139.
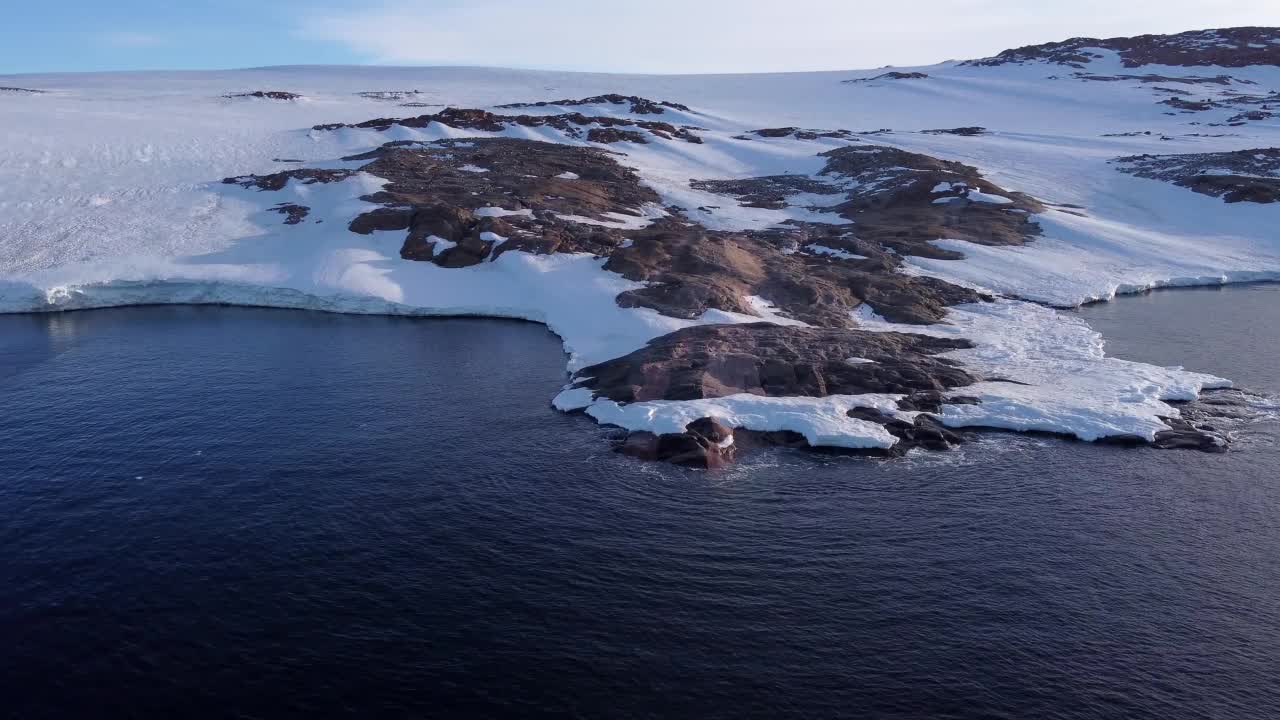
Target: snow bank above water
x=824, y=422
x=131, y=212
x=1047, y=371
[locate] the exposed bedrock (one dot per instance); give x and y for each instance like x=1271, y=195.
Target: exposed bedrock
x=691, y=270
x=1250, y=116
x=705, y=443
x=265, y=95
x=968, y=131
x=1178, y=103
x=901, y=200
x=639, y=105
x=439, y=194
x=923, y=432
x=461, y=202
x=1236, y=176
x=711, y=361
x=695, y=447
x=894, y=75
x=293, y=213
x=1228, y=47
x=572, y=124
x=277, y=181
x=800, y=134
x=1172, y=79
x=609, y=135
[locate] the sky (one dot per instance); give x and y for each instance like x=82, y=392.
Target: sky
x=646, y=36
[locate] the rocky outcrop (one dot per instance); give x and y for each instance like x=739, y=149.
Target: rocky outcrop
x=705, y=443
x=1239, y=99
x=638, y=105
x=294, y=214
x=22, y=91
x=969, y=131
x=490, y=195
x=575, y=125
x=893, y=75
x=278, y=181
x=1187, y=105
x=1239, y=176
x=801, y=134
x=1209, y=95
x=608, y=136
x=770, y=191
x=1176, y=80
x=923, y=432
x=711, y=361
x=901, y=200
x=1250, y=116
x=708, y=444
x=265, y=95
x=689, y=271
x=1229, y=47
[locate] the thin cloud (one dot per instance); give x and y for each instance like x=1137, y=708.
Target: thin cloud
x=665, y=36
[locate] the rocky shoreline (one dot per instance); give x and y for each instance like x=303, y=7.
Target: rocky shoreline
x=463, y=202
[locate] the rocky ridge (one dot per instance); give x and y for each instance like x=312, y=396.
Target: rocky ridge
x=637, y=105
x=892, y=75
x=265, y=95
x=575, y=125
x=1228, y=47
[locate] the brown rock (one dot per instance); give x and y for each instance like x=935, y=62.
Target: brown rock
x=709, y=361
x=1229, y=47
x=1254, y=176
x=266, y=95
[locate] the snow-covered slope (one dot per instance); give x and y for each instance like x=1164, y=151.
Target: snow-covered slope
x=110, y=194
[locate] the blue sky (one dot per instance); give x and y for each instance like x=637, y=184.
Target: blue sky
x=627, y=36
x=75, y=35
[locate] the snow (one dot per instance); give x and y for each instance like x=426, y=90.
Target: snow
x=768, y=312
x=975, y=196
x=573, y=399
x=643, y=217
x=110, y=195
x=491, y=211
x=1062, y=381
x=568, y=176
x=833, y=252
x=822, y=421
x=440, y=244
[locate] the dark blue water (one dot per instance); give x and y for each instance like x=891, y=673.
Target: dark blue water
x=215, y=512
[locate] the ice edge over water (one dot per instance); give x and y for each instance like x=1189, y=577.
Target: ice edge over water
x=137, y=223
